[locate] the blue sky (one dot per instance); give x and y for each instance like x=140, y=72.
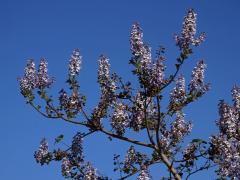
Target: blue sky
x=52, y=29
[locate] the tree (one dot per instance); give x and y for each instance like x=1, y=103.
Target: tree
x=126, y=108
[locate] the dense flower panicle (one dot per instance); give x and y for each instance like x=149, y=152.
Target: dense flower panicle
x=33, y=79
x=154, y=75
x=42, y=155
x=90, y=172
x=227, y=155
x=136, y=40
x=29, y=81
x=180, y=128
x=75, y=63
x=164, y=141
x=69, y=103
x=144, y=175
x=197, y=82
x=187, y=37
x=228, y=121
x=226, y=145
x=146, y=58
x=189, y=154
x=130, y=157
x=137, y=112
x=120, y=118
x=76, y=148
x=236, y=97
x=66, y=167
x=178, y=94
x=140, y=51
x=103, y=71
x=43, y=78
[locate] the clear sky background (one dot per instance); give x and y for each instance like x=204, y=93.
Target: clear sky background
x=52, y=29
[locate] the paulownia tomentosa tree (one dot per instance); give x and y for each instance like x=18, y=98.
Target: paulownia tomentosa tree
x=139, y=109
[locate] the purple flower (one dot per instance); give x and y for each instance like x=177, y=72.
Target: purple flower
x=226, y=146
x=136, y=40
x=66, y=167
x=140, y=51
x=130, y=158
x=144, y=175
x=178, y=94
x=76, y=148
x=179, y=128
x=197, y=83
x=42, y=155
x=120, y=118
x=43, y=78
x=90, y=172
x=187, y=37
x=29, y=81
x=236, y=97
x=228, y=120
x=70, y=103
x=75, y=63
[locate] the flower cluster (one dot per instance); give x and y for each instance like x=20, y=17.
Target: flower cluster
x=153, y=76
x=236, y=97
x=189, y=154
x=226, y=146
x=107, y=85
x=178, y=94
x=42, y=155
x=75, y=63
x=43, y=79
x=120, y=118
x=140, y=51
x=32, y=79
x=144, y=175
x=71, y=103
x=136, y=40
x=76, y=148
x=197, y=83
x=137, y=119
x=90, y=172
x=130, y=158
x=66, y=167
x=179, y=128
x=187, y=37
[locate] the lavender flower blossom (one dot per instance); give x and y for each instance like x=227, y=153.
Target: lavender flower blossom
x=42, y=155
x=197, y=83
x=75, y=63
x=179, y=128
x=120, y=118
x=66, y=167
x=29, y=81
x=226, y=146
x=236, y=97
x=187, y=37
x=90, y=172
x=227, y=156
x=130, y=157
x=140, y=51
x=43, y=78
x=227, y=122
x=137, y=113
x=155, y=76
x=77, y=149
x=178, y=95
x=144, y=175
x=189, y=154
x=70, y=103
x=136, y=40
